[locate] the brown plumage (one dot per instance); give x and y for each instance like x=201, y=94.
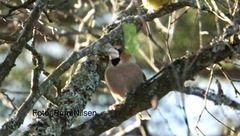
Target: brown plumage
x=122, y=74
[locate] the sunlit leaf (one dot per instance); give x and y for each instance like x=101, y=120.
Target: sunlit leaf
x=130, y=37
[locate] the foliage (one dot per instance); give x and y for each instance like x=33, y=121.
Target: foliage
x=42, y=40
x=130, y=39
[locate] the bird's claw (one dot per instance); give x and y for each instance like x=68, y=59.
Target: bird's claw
x=113, y=106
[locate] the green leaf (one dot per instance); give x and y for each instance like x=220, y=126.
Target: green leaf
x=130, y=37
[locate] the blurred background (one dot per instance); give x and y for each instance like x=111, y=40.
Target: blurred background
x=69, y=25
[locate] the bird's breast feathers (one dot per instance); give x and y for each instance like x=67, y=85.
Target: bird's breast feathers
x=124, y=77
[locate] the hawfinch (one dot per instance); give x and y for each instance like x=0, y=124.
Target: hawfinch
x=123, y=75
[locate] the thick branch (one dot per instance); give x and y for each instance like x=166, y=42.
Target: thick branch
x=73, y=97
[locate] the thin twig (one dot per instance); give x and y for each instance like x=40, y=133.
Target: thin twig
x=205, y=101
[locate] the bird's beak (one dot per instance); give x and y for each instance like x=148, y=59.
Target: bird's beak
x=113, y=53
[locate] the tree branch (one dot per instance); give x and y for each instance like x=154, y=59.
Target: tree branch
x=216, y=98
x=25, y=36
x=9, y=63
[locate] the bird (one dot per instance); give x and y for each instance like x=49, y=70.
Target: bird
x=122, y=75
x=152, y=5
